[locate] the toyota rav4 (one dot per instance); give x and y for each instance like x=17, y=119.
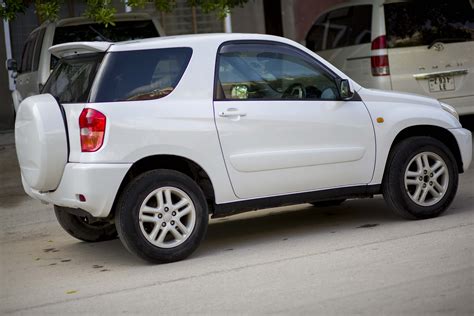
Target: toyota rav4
x=146, y=139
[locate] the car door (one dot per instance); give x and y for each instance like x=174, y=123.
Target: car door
x=282, y=125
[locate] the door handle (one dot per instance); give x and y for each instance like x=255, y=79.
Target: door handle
x=232, y=112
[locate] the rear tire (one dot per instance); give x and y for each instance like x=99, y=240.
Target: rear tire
x=162, y=216
x=79, y=227
x=421, y=178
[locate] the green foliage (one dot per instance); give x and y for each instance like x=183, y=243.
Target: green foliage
x=10, y=8
x=136, y=3
x=164, y=5
x=103, y=12
x=48, y=10
x=222, y=7
x=100, y=11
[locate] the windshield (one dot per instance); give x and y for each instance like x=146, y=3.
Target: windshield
x=424, y=22
x=71, y=80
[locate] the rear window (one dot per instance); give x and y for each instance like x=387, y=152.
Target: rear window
x=121, y=31
x=423, y=22
x=92, y=32
x=340, y=28
x=71, y=80
x=140, y=75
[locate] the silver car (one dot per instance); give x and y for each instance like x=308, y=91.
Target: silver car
x=37, y=62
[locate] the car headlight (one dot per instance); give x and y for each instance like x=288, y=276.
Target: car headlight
x=451, y=110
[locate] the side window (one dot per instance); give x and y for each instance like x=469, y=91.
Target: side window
x=361, y=25
x=22, y=67
x=141, y=75
x=37, y=50
x=315, y=36
x=27, y=55
x=271, y=72
x=349, y=26
x=338, y=28
x=426, y=22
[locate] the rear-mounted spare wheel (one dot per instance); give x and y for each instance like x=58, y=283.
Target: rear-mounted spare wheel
x=41, y=142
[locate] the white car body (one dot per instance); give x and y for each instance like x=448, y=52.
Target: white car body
x=410, y=68
x=36, y=57
x=265, y=153
x=146, y=139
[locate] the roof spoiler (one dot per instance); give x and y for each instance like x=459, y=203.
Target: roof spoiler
x=77, y=48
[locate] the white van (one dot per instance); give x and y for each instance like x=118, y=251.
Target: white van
x=423, y=46
x=37, y=62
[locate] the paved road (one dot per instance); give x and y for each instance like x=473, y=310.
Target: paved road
x=356, y=258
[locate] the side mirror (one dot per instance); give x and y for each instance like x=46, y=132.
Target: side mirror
x=345, y=90
x=11, y=64
x=240, y=91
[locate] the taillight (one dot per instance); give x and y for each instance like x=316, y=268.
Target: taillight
x=92, y=125
x=379, y=57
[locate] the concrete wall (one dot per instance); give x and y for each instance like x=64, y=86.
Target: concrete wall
x=6, y=103
x=249, y=19
x=297, y=17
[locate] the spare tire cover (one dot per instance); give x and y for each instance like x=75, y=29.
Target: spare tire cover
x=41, y=144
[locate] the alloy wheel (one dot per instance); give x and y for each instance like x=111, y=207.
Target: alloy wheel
x=167, y=217
x=426, y=178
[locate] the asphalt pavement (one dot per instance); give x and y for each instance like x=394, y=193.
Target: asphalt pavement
x=357, y=258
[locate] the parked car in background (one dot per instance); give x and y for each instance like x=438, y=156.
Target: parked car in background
x=148, y=138
x=424, y=47
x=37, y=62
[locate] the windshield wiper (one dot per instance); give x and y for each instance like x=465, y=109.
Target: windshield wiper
x=448, y=40
x=102, y=37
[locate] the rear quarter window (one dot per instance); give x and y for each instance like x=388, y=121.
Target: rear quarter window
x=140, y=75
x=423, y=22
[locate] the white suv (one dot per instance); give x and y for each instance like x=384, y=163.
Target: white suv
x=147, y=138
x=37, y=62
x=422, y=46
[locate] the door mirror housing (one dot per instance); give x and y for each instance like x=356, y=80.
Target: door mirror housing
x=345, y=89
x=12, y=65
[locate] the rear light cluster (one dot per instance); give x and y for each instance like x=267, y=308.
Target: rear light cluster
x=379, y=57
x=92, y=125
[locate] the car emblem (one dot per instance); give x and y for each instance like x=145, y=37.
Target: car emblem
x=438, y=47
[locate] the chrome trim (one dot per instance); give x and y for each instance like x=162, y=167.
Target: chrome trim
x=440, y=73
x=356, y=58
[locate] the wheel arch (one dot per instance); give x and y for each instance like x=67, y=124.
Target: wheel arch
x=172, y=162
x=436, y=132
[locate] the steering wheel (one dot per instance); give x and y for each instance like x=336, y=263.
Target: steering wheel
x=295, y=91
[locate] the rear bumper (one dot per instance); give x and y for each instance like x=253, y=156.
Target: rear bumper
x=464, y=140
x=98, y=183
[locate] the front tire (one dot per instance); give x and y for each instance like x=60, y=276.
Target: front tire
x=421, y=179
x=79, y=227
x=162, y=216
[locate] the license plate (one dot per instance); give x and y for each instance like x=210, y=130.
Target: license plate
x=441, y=83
